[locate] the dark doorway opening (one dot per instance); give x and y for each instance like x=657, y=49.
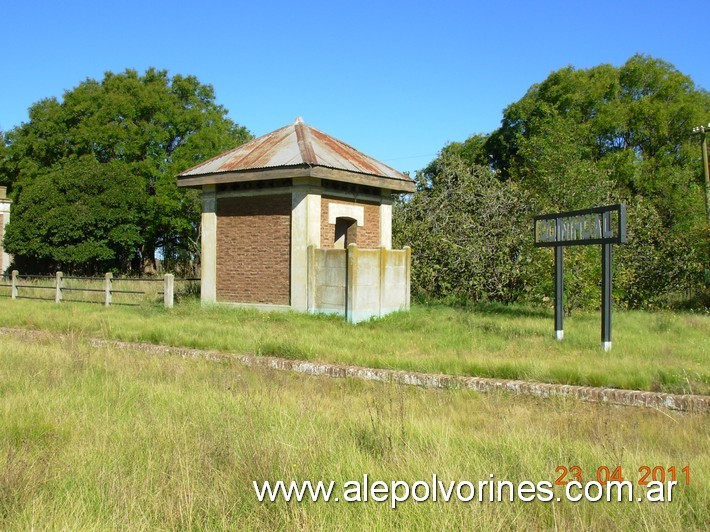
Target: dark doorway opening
x=345, y=232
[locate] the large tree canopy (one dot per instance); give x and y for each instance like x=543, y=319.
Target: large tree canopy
x=104, y=159
x=81, y=216
x=597, y=136
x=629, y=126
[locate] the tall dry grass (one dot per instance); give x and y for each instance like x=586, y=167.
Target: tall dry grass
x=95, y=438
x=659, y=351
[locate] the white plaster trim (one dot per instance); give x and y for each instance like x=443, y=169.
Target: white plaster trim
x=338, y=210
x=5, y=259
x=305, y=231
x=208, y=285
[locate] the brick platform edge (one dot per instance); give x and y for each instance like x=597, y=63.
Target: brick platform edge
x=684, y=403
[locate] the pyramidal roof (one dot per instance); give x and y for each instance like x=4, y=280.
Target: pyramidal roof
x=302, y=149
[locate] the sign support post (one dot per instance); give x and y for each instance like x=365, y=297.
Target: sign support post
x=606, y=297
x=599, y=225
x=559, y=293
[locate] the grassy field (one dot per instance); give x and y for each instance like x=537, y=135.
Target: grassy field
x=97, y=438
x=659, y=351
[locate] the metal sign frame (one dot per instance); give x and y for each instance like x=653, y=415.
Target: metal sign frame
x=581, y=228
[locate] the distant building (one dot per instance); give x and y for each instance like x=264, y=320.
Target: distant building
x=278, y=215
x=5, y=259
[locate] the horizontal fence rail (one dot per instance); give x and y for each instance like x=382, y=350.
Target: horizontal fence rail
x=21, y=287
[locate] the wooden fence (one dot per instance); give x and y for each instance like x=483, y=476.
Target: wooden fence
x=98, y=290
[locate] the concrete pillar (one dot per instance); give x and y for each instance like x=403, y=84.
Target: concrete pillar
x=386, y=224
x=305, y=231
x=58, y=288
x=407, y=276
x=5, y=259
x=13, y=288
x=208, y=257
x=382, y=277
x=311, y=278
x=107, y=289
x=351, y=307
x=168, y=290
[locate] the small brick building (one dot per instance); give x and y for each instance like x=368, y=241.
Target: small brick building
x=264, y=204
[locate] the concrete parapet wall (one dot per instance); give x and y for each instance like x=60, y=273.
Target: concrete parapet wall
x=327, y=280
x=358, y=283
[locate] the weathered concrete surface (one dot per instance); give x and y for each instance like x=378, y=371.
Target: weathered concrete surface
x=359, y=283
x=305, y=231
x=684, y=403
x=327, y=280
x=208, y=258
x=386, y=224
x=5, y=259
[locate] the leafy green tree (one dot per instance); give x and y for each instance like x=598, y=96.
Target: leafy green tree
x=149, y=126
x=468, y=230
x=2, y=143
x=4, y=181
x=472, y=151
x=83, y=216
x=579, y=138
x=606, y=134
x=631, y=123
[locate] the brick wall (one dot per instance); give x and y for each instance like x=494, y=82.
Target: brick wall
x=253, y=249
x=368, y=236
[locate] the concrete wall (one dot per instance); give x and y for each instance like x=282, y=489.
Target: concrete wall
x=394, y=286
x=359, y=283
x=208, y=254
x=5, y=259
x=305, y=232
x=327, y=280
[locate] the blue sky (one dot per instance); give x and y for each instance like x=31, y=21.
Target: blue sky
x=395, y=79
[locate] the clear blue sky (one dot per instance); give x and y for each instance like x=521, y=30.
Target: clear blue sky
x=395, y=79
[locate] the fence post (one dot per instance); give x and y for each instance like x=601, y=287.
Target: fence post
x=15, y=273
x=58, y=292
x=168, y=290
x=107, y=289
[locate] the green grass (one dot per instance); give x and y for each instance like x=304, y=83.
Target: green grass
x=659, y=351
x=98, y=438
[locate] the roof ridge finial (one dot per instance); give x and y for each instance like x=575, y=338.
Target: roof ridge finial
x=299, y=120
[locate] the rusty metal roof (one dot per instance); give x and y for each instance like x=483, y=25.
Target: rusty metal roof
x=296, y=145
